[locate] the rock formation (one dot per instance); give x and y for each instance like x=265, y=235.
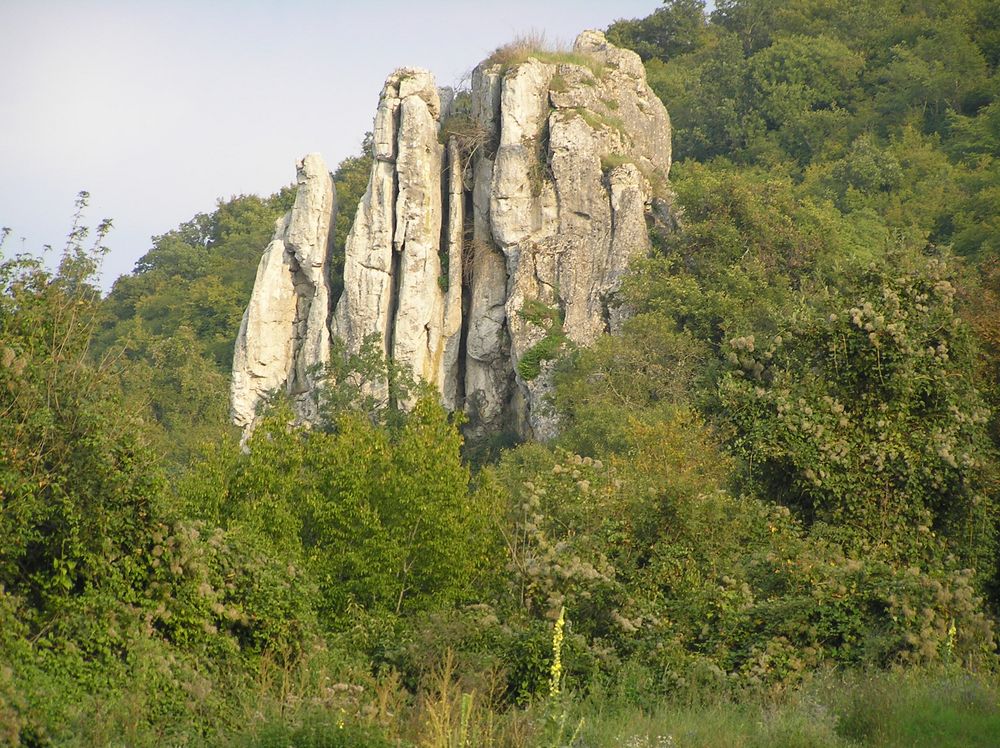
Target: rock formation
x=284, y=335
x=494, y=232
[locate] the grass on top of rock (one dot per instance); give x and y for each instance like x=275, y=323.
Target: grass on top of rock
x=657, y=182
x=611, y=161
x=546, y=349
x=558, y=84
x=598, y=121
x=533, y=46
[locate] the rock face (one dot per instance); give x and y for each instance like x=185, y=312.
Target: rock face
x=284, y=334
x=392, y=264
x=492, y=234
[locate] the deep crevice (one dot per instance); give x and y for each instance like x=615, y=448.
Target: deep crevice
x=395, y=261
x=444, y=239
x=328, y=261
x=468, y=219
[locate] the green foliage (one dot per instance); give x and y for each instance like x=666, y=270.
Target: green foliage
x=366, y=383
x=316, y=729
x=549, y=346
x=675, y=29
x=765, y=82
x=859, y=414
x=197, y=276
x=783, y=464
x=803, y=88
x=380, y=516
x=77, y=486
x=653, y=562
x=107, y=602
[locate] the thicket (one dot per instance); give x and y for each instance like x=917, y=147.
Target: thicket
x=778, y=481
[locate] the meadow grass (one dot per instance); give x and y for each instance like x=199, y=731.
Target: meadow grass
x=914, y=709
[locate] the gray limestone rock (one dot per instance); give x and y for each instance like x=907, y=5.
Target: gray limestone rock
x=284, y=336
x=478, y=252
x=392, y=267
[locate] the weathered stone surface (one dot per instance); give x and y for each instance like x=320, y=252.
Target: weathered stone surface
x=284, y=335
x=364, y=308
x=488, y=373
x=416, y=329
x=307, y=240
x=476, y=262
x=568, y=201
x=263, y=356
x=392, y=267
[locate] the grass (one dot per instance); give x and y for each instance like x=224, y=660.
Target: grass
x=533, y=46
x=657, y=182
x=611, y=161
x=546, y=349
x=558, y=84
x=881, y=710
x=539, y=165
x=918, y=709
x=327, y=703
x=598, y=121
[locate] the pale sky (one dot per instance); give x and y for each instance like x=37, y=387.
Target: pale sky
x=160, y=108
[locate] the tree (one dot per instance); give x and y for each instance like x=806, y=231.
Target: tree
x=675, y=29
x=863, y=413
x=381, y=516
x=77, y=486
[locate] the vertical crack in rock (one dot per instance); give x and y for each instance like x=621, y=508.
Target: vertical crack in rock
x=465, y=299
x=449, y=374
x=392, y=266
x=536, y=220
x=488, y=374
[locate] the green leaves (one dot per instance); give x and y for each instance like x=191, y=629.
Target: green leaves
x=864, y=415
x=380, y=516
x=77, y=487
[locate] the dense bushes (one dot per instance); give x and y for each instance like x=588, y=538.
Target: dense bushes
x=380, y=516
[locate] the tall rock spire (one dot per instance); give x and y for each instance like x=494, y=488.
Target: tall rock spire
x=490, y=238
x=284, y=335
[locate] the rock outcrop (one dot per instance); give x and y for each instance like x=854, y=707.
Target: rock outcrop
x=284, y=337
x=493, y=234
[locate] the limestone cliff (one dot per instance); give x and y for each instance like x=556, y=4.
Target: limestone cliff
x=284, y=336
x=494, y=232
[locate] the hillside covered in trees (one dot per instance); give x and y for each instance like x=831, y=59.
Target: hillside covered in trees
x=774, y=493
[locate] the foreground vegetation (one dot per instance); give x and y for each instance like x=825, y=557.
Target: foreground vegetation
x=770, y=517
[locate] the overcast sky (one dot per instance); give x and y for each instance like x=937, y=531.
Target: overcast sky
x=160, y=108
